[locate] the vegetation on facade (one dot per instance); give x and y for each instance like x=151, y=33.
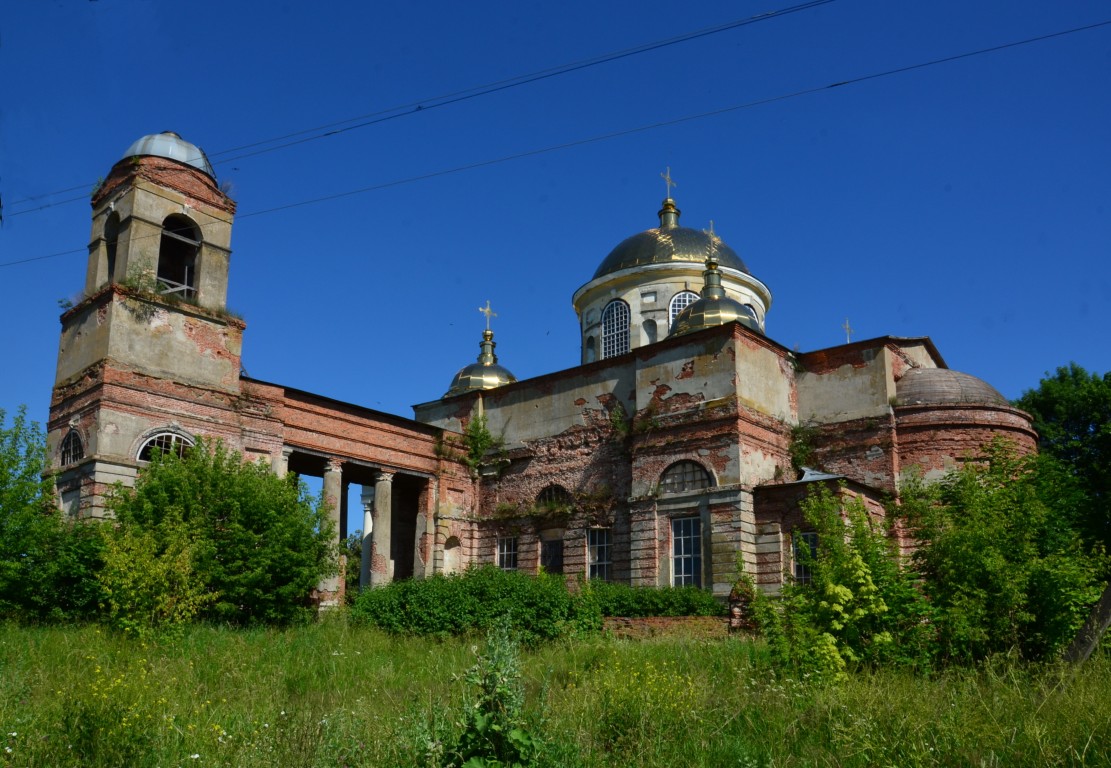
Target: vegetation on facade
x=995, y=568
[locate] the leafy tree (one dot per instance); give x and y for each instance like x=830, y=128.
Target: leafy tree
x=46, y=564
x=1072, y=414
x=1000, y=563
x=257, y=542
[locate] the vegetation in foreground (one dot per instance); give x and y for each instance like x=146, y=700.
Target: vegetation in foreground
x=334, y=695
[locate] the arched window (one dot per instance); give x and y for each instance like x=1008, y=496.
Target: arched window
x=177, y=257
x=164, y=442
x=615, y=329
x=685, y=476
x=649, y=331
x=72, y=449
x=679, y=302
x=111, y=238
x=554, y=497
x=755, y=314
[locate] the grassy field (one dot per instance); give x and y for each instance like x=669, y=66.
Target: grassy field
x=330, y=695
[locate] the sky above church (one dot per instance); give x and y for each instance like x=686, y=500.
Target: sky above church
x=398, y=164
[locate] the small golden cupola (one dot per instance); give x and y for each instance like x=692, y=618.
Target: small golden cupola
x=714, y=307
x=485, y=373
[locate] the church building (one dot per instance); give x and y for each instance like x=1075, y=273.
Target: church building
x=679, y=448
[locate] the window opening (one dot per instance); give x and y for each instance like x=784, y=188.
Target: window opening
x=598, y=553
x=177, y=257
x=804, y=548
x=507, y=553
x=615, y=329
x=164, y=442
x=554, y=497
x=72, y=450
x=686, y=551
x=649, y=331
x=111, y=238
x=685, y=476
x=551, y=555
x=679, y=302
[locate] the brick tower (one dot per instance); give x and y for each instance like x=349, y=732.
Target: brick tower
x=149, y=357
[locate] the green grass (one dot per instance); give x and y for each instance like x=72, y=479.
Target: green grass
x=330, y=695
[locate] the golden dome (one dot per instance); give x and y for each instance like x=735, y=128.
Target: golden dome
x=484, y=374
x=714, y=308
x=669, y=244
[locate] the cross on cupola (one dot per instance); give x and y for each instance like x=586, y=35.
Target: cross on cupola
x=488, y=312
x=666, y=176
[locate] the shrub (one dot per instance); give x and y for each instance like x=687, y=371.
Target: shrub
x=637, y=602
x=538, y=607
x=859, y=606
x=257, y=542
x=1001, y=564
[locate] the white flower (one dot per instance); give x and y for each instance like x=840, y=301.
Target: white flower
x=194, y=756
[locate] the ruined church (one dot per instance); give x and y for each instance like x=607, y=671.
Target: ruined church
x=671, y=455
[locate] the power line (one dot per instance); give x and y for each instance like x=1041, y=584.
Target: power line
x=638, y=129
x=421, y=105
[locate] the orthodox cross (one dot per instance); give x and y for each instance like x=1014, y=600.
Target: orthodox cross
x=488, y=312
x=668, y=180
x=848, y=331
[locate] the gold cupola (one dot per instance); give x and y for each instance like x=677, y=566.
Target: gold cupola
x=485, y=373
x=714, y=308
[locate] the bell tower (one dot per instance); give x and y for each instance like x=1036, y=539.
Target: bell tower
x=149, y=357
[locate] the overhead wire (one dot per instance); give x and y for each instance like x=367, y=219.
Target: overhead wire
x=639, y=129
x=434, y=102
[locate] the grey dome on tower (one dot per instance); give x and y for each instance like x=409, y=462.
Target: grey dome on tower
x=170, y=145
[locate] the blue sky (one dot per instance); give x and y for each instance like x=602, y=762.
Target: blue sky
x=969, y=201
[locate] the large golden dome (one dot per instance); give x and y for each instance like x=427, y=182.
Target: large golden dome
x=669, y=244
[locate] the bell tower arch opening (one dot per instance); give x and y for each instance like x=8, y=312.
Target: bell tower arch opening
x=177, y=257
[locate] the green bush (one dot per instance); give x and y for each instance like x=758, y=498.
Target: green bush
x=539, y=607
x=637, y=602
x=859, y=606
x=47, y=564
x=1001, y=564
x=258, y=543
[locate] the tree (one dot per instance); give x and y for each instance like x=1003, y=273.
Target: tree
x=1072, y=414
x=257, y=544
x=47, y=565
x=26, y=530
x=1000, y=563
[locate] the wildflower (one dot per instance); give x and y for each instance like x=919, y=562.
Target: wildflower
x=194, y=756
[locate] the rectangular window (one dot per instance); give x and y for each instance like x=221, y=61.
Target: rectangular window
x=551, y=555
x=507, y=553
x=686, y=551
x=804, y=548
x=598, y=553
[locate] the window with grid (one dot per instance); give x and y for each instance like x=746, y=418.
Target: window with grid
x=72, y=450
x=804, y=548
x=164, y=442
x=554, y=497
x=615, y=329
x=685, y=476
x=598, y=553
x=507, y=553
x=686, y=552
x=679, y=302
